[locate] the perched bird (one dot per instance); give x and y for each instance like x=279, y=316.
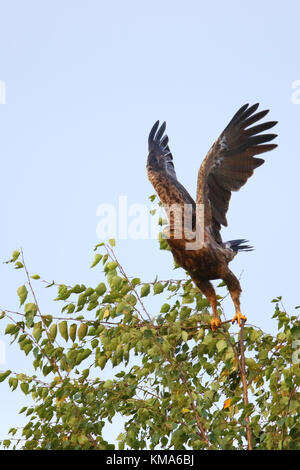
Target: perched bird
x=226, y=168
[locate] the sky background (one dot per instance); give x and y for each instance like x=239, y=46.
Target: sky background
x=85, y=81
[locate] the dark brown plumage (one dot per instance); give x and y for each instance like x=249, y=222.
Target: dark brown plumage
x=226, y=168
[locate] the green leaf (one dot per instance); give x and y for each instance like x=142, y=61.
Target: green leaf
x=19, y=265
x=35, y=276
x=13, y=382
x=22, y=293
x=24, y=387
x=50, y=285
x=115, y=282
x=148, y=333
x=250, y=362
x=255, y=335
x=158, y=288
x=63, y=292
x=101, y=361
x=97, y=246
x=82, y=331
x=101, y=288
x=184, y=335
x=82, y=439
x=11, y=329
x=37, y=331
x=222, y=284
x=108, y=385
x=111, y=266
x=15, y=255
x=208, y=339
x=69, y=308
x=165, y=308
x=221, y=345
x=145, y=290
x=112, y=242
x=27, y=348
x=97, y=258
x=4, y=375
x=72, y=331
x=53, y=331
x=30, y=312
x=63, y=329
x=6, y=443
x=105, y=258
x=78, y=289
x=131, y=299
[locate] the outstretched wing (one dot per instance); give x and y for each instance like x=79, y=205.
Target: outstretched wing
x=230, y=162
x=161, y=171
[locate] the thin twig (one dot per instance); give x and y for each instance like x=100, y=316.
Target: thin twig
x=33, y=294
x=112, y=255
x=242, y=367
x=51, y=361
x=198, y=421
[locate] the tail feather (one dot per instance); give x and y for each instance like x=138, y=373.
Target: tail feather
x=238, y=245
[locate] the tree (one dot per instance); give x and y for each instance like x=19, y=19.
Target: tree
x=181, y=386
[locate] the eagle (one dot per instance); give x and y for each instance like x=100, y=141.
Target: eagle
x=227, y=166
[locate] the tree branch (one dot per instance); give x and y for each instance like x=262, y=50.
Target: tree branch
x=242, y=367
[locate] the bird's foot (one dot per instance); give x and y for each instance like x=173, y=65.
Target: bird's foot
x=215, y=323
x=239, y=318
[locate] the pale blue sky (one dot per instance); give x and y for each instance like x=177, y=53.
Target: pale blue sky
x=85, y=81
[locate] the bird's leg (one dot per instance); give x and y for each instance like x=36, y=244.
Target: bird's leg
x=208, y=290
x=235, y=290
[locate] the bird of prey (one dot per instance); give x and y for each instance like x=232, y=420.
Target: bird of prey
x=227, y=166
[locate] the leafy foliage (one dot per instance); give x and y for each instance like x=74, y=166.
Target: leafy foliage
x=177, y=384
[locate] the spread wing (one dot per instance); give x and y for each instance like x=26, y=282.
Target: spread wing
x=161, y=169
x=230, y=162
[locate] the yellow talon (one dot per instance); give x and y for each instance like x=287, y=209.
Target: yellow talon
x=215, y=323
x=238, y=318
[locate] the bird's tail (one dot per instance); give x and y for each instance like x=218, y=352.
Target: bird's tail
x=239, y=245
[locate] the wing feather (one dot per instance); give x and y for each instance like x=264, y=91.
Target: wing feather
x=160, y=156
x=161, y=171
x=230, y=162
